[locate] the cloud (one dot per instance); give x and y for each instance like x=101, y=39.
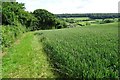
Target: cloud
x=72, y=6
x=100, y=6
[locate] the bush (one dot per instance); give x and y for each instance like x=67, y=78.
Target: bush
x=9, y=34
x=46, y=19
x=87, y=23
x=60, y=24
x=108, y=21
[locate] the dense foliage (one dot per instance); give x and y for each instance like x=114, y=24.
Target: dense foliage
x=10, y=33
x=46, y=20
x=13, y=12
x=86, y=52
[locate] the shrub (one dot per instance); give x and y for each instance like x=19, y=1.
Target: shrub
x=60, y=24
x=9, y=34
x=108, y=21
x=46, y=19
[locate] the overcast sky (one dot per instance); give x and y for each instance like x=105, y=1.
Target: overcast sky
x=72, y=6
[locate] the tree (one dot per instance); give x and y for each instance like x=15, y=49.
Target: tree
x=13, y=12
x=10, y=12
x=46, y=20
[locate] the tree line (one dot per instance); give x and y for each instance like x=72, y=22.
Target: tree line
x=90, y=15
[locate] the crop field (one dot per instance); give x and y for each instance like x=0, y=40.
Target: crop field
x=90, y=51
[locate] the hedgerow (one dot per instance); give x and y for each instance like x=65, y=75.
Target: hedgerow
x=9, y=34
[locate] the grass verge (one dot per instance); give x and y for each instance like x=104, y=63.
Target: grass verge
x=26, y=59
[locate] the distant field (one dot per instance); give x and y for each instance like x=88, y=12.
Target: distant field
x=90, y=51
x=79, y=18
x=84, y=21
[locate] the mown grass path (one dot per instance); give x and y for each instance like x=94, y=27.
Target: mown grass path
x=26, y=59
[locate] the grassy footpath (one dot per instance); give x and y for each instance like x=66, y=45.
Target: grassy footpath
x=26, y=59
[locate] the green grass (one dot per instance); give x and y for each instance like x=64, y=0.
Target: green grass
x=89, y=52
x=26, y=59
